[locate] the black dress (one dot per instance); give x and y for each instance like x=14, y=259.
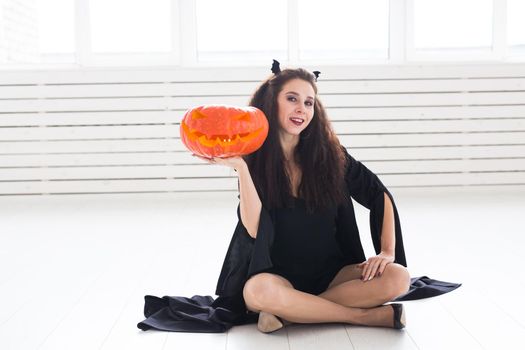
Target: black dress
x=247, y=256
x=305, y=249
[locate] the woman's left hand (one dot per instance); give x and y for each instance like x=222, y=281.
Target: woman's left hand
x=375, y=266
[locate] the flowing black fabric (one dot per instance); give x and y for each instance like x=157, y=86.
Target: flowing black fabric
x=424, y=287
x=247, y=256
x=199, y=314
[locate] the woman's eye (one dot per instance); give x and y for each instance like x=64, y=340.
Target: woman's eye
x=291, y=98
x=309, y=103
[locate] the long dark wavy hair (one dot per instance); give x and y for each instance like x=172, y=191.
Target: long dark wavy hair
x=319, y=154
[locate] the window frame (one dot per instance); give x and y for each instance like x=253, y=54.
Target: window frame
x=495, y=52
x=184, y=42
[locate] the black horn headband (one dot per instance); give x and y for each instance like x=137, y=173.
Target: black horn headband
x=276, y=69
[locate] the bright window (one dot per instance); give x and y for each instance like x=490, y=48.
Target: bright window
x=335, y=29
x=240, y=30
x=56, y=26
x=249, y=32
x=130, y=26
x=452, y=24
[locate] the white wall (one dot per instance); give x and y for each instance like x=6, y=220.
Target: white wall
x=117, y=130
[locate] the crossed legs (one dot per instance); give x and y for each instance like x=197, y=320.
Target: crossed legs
x=347, y=299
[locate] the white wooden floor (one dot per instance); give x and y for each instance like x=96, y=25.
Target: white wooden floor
x=74, y=270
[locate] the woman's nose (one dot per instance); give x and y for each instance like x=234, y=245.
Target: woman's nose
x=300, y=108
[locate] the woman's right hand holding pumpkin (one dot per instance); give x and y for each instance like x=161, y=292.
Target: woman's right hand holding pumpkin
x=233, y=162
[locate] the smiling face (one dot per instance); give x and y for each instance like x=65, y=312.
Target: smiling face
x=295, y=107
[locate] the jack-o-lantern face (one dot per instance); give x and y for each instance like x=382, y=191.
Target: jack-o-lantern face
x=223, y=131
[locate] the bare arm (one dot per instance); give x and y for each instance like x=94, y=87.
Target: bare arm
x=388, y=238
x=250, y=202
x=375, y=266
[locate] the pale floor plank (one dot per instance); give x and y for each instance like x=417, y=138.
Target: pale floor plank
x=132, y=265
x=462, y=236
x=124, y=334
x=467, y=246
x=205, y=243
x=94, y=311
x=21, y=262
x=372, y=338
x=196, y=341
x=318, y=336
x=248, y=337
x=489, y=302
x=510, y=301
x=432, y=327
x=44, y=262
x=44, y=294
x=159, y=280
x=470, y=309
x=164, y=279
x=484, y=254
x=89, y=322
x=50, y=302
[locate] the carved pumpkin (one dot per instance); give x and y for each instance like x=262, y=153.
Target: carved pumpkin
x=223, y=131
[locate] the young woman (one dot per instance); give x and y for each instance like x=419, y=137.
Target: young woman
x=304, y=179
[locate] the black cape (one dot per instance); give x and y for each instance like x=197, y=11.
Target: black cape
x=247, y=256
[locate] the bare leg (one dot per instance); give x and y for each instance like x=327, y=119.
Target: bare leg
x=349, y=290
x=274, y=294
